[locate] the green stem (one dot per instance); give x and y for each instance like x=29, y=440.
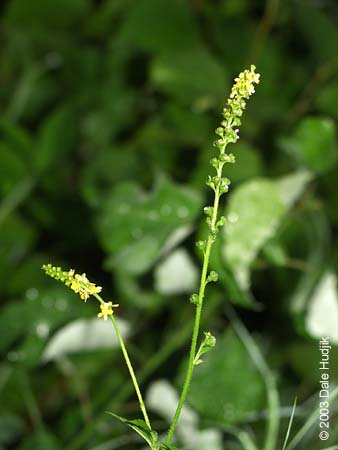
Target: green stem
x=171, y=344
x=197, y=315
x=129, y=365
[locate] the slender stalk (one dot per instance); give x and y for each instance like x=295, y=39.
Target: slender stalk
x=242, y=89
x=172, y=343
x=197, y=315
x=129, y=365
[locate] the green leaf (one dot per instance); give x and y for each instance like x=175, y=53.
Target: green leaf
x=140, y=426
x=322, y=315
x=41, y=440
x=10, y=428
x=176, y=274
x=231, y=374
x=248, y=163
x=254, y=211
x=134, y=226
x=99, y=334
x=207, y=344
x=191, y=76
x=313, y=144
x=45, y=14
x=159, y=25
x=54, y=139
x=17, y=238
x=28, y=323
x=327, y=99
x=318, y=28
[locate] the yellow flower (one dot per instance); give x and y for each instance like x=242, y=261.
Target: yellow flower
x=78, y=283
x=106, y=310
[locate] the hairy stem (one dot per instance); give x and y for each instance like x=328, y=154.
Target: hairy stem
x=129, y=365
x=198, y=314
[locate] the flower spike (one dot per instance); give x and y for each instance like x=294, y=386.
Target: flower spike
x=78, y=283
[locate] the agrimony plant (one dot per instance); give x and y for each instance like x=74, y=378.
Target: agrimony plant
x=227, y=133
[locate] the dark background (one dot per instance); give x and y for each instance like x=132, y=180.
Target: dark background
x=106, y=129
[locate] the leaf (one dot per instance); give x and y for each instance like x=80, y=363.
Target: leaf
x=45, y=14
x=176, y=274
x=160, y=26
x=207, y=344
x=130, y=292
x=248, y=163
x=162, y=398
x=10, y=428
x=231, y=375
x=254, y=211
x=133, y=226
x=83, y=335
x=191, y=76
x=319, y=31
x=41, y=440
x=313, y=144
x=54, y=139
x=15, y=161
x=17, y=238
x=28, y=323
x=322, y=315
x=140, y=426
x=328, y=98
x=290, y=424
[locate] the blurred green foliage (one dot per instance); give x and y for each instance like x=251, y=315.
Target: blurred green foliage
x=107, y=117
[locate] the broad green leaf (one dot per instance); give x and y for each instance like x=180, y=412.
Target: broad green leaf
x=28, y=323
x=12, y=169
x=191, y=76
x=10, y=429
x=327, y=99
x=292, y=186
x=314, y=233
x=140, y=426
x=159, y=26
x=45, y=14
x=108, y=167
x=176, y=274
x=15, y=160
x=130, y=292
x=322, y=315
x=319, y=30
x=133, y=226
x=54, y=139
x=162, y=398
x=313, y=144
x=248, y=163
x=17, y=238
x=41, y=440
x=231, y=375
x=254, y=211
x=83, y=335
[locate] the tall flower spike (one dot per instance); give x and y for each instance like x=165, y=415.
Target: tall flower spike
x=78, y=283
x=242, y=89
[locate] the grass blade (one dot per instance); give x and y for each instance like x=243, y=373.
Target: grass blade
x=290, y=424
